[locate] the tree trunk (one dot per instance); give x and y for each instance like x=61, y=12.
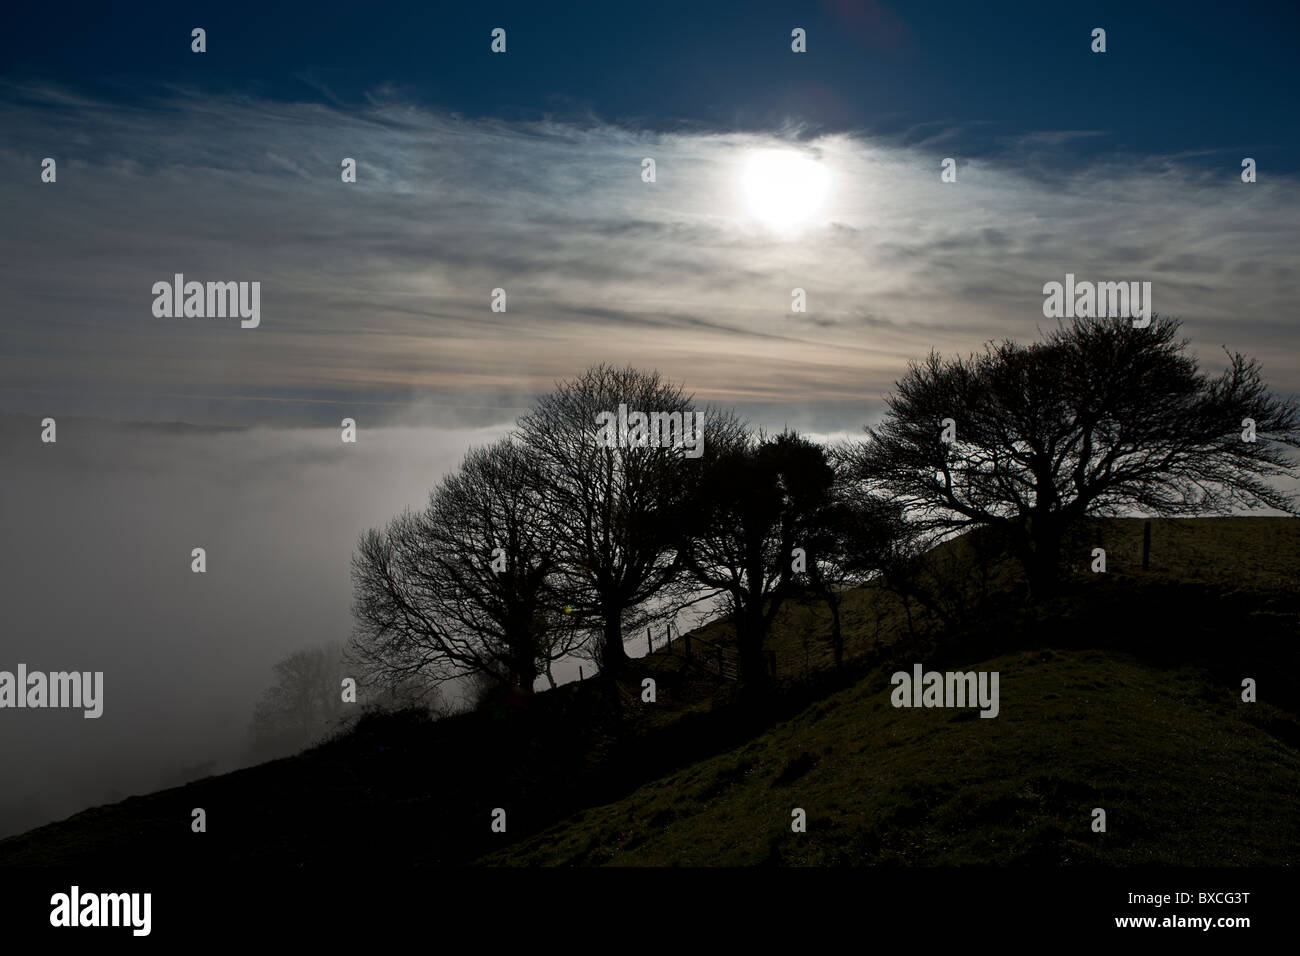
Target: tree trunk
x=837, y=637
x=613, y=657
x=1044, y=562
x=521, y=647
x=753, y=669
x=524, y=670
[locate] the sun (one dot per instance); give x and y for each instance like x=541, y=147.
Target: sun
x=783, y=188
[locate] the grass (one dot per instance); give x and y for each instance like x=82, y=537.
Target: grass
x=1184, y=778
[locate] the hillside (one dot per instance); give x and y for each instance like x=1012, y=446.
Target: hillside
x=1122, y=693
x=1185, y=779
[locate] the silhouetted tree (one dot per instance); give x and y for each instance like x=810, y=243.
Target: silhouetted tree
x=1099, y=418
x=759, y=497
x=466, y=585
x=614, y=511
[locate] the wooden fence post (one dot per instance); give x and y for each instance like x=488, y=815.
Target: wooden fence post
x=579, y=673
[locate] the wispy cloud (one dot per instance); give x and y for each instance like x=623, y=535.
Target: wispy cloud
x=379, y=291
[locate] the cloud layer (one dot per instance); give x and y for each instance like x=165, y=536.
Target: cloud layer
x=376, y=295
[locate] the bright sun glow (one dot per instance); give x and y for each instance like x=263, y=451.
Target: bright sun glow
x=784, y=188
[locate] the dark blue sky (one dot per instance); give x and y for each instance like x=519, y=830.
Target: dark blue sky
x=1177, y=78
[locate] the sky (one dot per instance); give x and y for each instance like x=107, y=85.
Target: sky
x=523, y=171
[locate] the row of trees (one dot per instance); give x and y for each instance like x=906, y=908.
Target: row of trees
x=551, y=540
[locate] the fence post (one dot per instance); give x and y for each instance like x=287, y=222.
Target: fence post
x=579, y=673
x=649, y=644
x=1146, y=546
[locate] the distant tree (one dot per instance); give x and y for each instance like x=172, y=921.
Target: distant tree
x=1099, y=418
x=304, y=704
x=758, y=499
x=615, y=512
x=466, y=586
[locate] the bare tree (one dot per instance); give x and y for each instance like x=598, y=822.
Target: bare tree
x=305, y=703
x=302, y=705
x=615, y=508
x=1099, y=418
x=465, y=586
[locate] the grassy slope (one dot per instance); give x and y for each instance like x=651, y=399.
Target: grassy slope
x=1186, y=773
x=1183, y=777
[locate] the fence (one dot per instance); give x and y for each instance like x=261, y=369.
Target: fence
x=722, y=662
